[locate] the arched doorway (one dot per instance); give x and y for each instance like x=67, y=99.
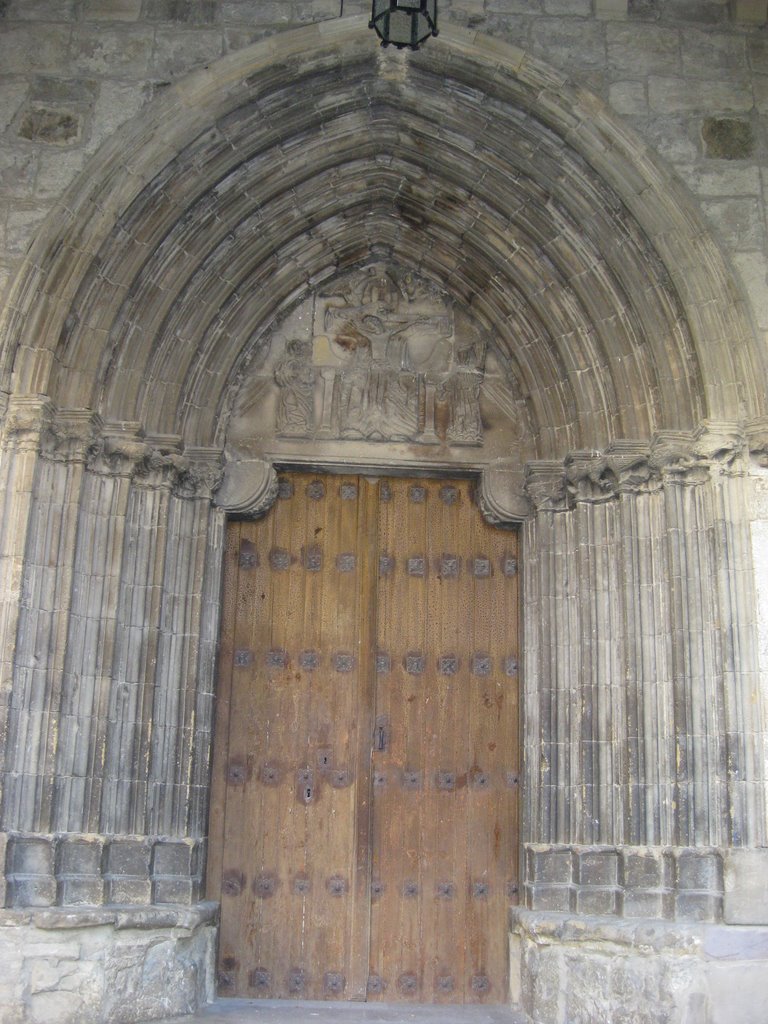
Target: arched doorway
x=144, y=315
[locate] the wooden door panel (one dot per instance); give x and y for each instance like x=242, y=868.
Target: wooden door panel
x=294, y=893
x=444, y=828
x=366, y=794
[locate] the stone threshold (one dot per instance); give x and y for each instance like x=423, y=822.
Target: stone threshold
x=286, y=1011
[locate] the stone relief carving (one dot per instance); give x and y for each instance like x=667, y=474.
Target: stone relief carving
x=295, y=376
x=384, y=365
x=378, y=367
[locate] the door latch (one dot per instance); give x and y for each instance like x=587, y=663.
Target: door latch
x=381, y=734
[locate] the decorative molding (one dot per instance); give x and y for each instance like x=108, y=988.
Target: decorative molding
x=249, y=487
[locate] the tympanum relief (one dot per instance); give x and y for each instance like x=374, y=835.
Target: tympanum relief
x=378, y=366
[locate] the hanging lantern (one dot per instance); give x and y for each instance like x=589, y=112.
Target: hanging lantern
x=404, y=23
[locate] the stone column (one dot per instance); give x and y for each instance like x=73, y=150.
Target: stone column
x=549, y=679
x=93, y=630
x=721, y=448
x=597, y=799
x=183, y=697
x=644, y=719
x=34, y=728
x=699, y=780
x=26, y=421
x=645, y=741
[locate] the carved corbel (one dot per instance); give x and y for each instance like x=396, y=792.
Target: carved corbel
x=589, y=477
x=545, y=485
x=248, y=488
x=501, y=494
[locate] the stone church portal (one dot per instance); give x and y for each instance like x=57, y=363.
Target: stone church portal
x=527, y=263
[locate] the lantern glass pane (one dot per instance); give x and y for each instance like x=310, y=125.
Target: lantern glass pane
x=404, y=22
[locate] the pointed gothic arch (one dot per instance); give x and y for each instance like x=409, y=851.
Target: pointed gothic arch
x=148, y=293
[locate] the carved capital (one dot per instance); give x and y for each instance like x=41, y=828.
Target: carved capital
x=589, y=477
x=27, y=420
x=248, y=488
x=756, y=432
x=720, y=445
x=545, y=485
x=629, y=461
x=121, y=451
x=202, y=473
x=673, y=454
x=501, y=494
x=73, y=436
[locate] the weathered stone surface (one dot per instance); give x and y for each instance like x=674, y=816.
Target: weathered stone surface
x=58, y=127
x=96, y=974
x=746, y=887
x=728, y=138
x=578, y=969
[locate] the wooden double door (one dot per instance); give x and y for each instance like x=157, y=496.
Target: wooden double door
x=365, y=800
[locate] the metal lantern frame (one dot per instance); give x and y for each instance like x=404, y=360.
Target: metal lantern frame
x=404, y=23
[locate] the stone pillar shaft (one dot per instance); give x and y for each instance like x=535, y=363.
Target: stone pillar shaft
x=643, y=716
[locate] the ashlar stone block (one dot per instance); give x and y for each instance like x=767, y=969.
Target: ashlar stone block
x=750, y=12
x=746, y=887
x=700, y=869
x=728, y=138
x=549, y=865
x=597, y=867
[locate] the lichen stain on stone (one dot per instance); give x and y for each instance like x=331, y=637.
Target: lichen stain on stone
x=728, y=138
x=40, y=124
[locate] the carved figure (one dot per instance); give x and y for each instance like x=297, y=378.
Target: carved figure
x=376, y=404
x=381, y=290
x=462, y=392
x=295, y=376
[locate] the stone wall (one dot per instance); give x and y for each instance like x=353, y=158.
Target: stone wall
x=88, y=966
x=690, y=77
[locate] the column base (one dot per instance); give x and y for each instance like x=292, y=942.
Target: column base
x=105, y=965
x=572, y=969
